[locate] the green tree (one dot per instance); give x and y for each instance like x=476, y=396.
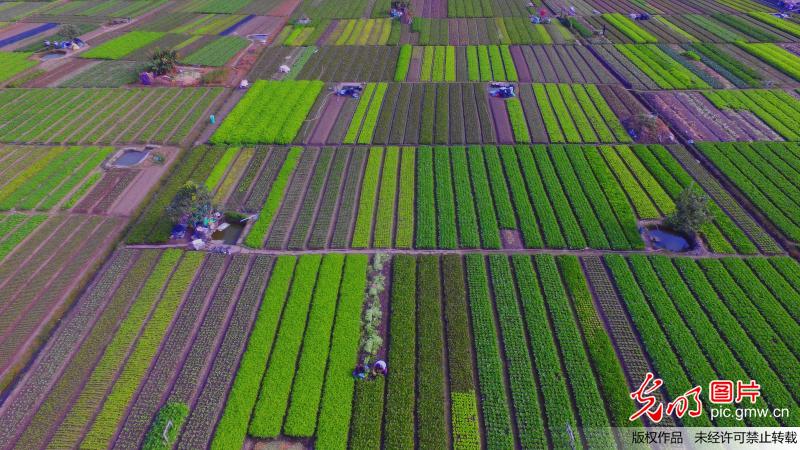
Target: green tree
x=192, y=201
x=691, y=212
x=162, y=61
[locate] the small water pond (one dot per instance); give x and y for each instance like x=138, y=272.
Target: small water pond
x=230, y=235
x=669, y=241
x=131, y=158
x=53, y=55
x=258, y=37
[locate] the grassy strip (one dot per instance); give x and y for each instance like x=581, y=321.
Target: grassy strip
x=431, y=429
x=445, y=206
x=399, y=419
x=366, y=205
x=365, y=427
x=358, y=117
x=405, y=203
x=426, y=208
x=371, y=118
x=220, y=168
x=336, y=404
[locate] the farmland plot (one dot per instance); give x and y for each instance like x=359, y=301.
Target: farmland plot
x=13, y=63
x=713, y=312
x=499, y=30
x=463, y=113
x=578, y=196
x=279, y=353
x=711, y=118
x=47, y=257
x=767, y=173
x=346, y=63
x=284, y=104
x=160, y=115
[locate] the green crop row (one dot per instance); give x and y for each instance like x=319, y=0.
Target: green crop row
x=746, y=27
x=12, y=63
x=361, y=111
x=469, y=235
x=587, y=397
x=403, y=62
x=232, y=427
x=301, y=418
x=663, y=311
x=517, y=118
x=269, y=411
x=778, y=285
x=218, y=52
x=336, y=403
x=384, y=217
x=405, y=205
x=610, y=375
x=22, y=231
x=519, y=194
x=270, y=112
x=629, y=28
x=494, y=404
x=400, y=387
x=371, y=118
x=121, y=46
x=484, y=204
x=445, y=206
x=766, y=303
x=459, y=355
x=665, y=71
x=783, y=60
x=708, y=338
x=426, y=211
x=552, y=382
x=759, y=187
x=220, y=168
x=366, y=205
x=255, y=238
x=365, y=427
x=782, y=24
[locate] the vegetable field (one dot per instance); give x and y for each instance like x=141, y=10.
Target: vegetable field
x=523, y=209
x=464, y=113
x=56, y=116
x=260, y=377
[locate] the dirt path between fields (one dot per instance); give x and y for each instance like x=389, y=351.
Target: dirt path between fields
x=327, y=119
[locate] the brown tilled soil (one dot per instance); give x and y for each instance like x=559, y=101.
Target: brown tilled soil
x=327, y=119
x=69, y=68
x=511, y=239
x=522, y=67
x=284, y=9
x=502, y=124
x=261, y=24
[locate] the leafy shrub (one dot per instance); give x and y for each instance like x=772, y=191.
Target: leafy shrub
x=174, y=413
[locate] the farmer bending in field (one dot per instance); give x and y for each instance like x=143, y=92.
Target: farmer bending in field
x=379, y=368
